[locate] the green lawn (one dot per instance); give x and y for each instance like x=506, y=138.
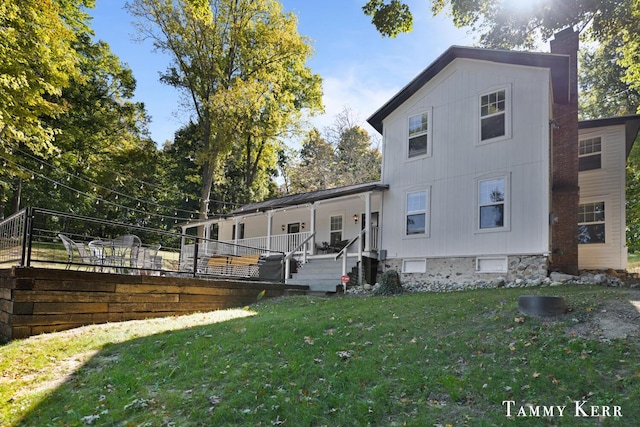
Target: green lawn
x=416, y=359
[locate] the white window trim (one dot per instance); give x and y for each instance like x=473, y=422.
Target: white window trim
x=503, y=259
x=507, y=115
x=429, y=134
x=585, y=137
x=507, y=203
x=607, y=221
x=341, y=230
x=418, y=266
x=427, y=213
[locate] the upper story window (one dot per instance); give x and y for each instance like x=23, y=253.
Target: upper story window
x=494, y=114
x=591, y=224
x=492, y=203
x=416, y=217
x=419, y=131
x=590, y=154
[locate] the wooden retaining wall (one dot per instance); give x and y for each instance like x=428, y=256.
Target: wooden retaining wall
x=33, y=301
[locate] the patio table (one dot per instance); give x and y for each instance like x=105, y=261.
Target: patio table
x=118, y=254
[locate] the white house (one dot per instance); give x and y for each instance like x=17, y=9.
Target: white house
x=486, y=173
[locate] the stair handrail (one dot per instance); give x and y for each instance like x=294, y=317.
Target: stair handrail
x=346, y=247
x=287, y=257
x=344, y=251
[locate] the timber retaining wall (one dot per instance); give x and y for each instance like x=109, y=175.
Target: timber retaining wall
x=35, y=301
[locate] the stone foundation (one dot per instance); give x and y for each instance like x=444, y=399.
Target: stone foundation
x=460, y=273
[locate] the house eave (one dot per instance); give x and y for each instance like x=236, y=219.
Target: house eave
x=309, y=198
x=557, y=64
x=630, y=122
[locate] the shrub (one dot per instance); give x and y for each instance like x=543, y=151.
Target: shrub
x=390, y=284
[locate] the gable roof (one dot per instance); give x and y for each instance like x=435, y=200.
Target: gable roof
x=310, y=197
x=630, y=122
x=558, y=65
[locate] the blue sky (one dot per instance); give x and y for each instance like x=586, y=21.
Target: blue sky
x=360, y=69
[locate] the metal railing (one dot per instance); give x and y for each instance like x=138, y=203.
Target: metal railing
x=345, y=251
x=12, y=238
x=43, y=238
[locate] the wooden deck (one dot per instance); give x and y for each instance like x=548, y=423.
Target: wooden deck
x=34, y=301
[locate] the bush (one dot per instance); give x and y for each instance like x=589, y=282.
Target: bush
x=390, y=284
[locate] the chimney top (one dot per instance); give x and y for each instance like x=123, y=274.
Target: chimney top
x=564, y=34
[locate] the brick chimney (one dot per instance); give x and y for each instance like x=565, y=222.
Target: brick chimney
x=565, y=190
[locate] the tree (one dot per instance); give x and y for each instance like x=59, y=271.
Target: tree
x=390, y=19
x=603, y=91
x=508, y=24
x=343, y=156
x=37, y=61
x=316, y=168
x=103, y=146
x=241, y=66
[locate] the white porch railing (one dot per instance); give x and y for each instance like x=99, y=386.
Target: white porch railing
x=280, y=243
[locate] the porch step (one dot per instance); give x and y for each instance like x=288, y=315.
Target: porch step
x=321, y=274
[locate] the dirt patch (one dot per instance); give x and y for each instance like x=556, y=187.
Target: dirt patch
x=614, y=318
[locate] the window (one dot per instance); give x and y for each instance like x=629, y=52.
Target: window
x=591, y=225
x=335, y=236
x=590, y=154
x=491, y=203
x=414, y=266
x=493, y=115
x=240, y=232
x=416, y=218
x=491, y=264
x=419, y=135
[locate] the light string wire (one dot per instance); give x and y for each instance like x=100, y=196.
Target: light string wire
x=98, y=199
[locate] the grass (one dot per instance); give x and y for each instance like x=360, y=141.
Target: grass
x=417, y=359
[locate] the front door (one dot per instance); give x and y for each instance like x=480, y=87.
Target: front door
x=293, y=231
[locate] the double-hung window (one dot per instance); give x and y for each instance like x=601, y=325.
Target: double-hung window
x=419, y=131
x=591, y=224
x=590, y=154
x=494, y=114
x=416, y=216
x=335, y=235
x=492, y=203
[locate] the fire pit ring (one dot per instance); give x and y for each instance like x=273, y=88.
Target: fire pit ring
x=536, y=305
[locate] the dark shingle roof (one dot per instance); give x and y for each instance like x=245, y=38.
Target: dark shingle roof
x=311, y=197
x=558, y=64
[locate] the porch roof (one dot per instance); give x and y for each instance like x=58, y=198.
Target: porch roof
x=310, y=197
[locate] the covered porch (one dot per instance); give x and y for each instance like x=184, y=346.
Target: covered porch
x=332, y=223
x=326, y=219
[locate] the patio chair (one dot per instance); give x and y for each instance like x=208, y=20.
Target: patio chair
x=147, y=258
x=125, y=251
x=69, y=245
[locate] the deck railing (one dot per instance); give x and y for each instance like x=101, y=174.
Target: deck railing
x=277, y=243
x=43, y=238
x=12, y=238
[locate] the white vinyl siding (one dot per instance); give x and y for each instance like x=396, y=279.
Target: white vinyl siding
x=457, y=163
x=606, y=184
